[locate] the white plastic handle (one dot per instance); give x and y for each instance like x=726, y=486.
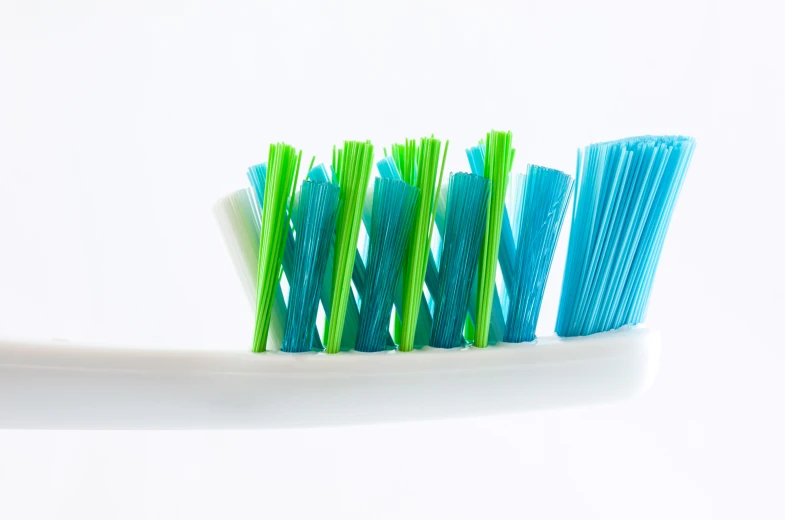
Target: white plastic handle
x=64, y=386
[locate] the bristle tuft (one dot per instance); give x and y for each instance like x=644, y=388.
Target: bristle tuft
x=352, y=169
x=281, y=179
x=625, y=195
x=544, y=200
x=420, y=167
x=498, y=162
x=393, y=215
x=315, y=226
x=467, y=201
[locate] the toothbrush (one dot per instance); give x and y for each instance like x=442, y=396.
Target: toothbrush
x=623, y=201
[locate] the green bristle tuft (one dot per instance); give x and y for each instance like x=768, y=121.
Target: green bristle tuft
x=283, y=165
x=419, y=166
x=498, y=163
x=352, y=166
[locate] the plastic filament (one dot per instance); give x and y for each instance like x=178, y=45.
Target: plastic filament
x=242, y=222
x=283, y=165
x=352, y=166
x=467, y=203
x=315, y=225
x=498, y=162
x=419, y=166
x=238, y=219
x=476, y=157
x=322, y=173
x=388, y=169
x=393, y=215
x=544, y=200
x=625, y=195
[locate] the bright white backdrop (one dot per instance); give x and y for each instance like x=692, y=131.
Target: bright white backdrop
x=121, y=123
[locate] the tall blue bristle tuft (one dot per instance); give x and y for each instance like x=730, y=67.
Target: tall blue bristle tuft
x=393, y=215
x=544, y=199
x=625, y=196
x=467, y=202
x=315, y=226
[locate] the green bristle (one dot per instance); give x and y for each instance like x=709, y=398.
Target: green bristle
x=283, y=165
x=498, y=162
x=352, y=165
x=468, y=330
x=419, y=166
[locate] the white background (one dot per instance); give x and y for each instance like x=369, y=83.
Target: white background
x=122, y=122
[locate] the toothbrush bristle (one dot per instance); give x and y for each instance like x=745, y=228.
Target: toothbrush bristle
x=467, y=201
x=446, y=267
x=625, y=195
x=543, y=204
x=281, y=179
x=498, y=162
x=315, y=226
x=419, y=165
x=476, y=157
x=393, y=202
x=352, y=167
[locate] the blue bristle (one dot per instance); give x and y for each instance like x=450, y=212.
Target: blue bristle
x=315, y=226
x=467, y=202
x=543, y=203
x=323, y=173
x=476, y=156
x=257, y=175
x=393, y=215
x=388, y=169
x=624, y=199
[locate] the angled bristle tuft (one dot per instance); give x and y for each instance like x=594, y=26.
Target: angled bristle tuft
x=544, y=200
x=352, y=167
x=237, y=219
x=314, y=225
x=420, y=166
x=625, y=196
x=393, y=215
x=467, y=202
x=498, y=162
x=281, y=179
x=476, y=157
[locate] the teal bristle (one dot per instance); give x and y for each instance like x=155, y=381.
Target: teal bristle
x=257, y=175
x=467, y=202
x=624, y=199
x=389, y=170
x=323, y=173
x=315, y=226
x=543, y=203
x=393, y=215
